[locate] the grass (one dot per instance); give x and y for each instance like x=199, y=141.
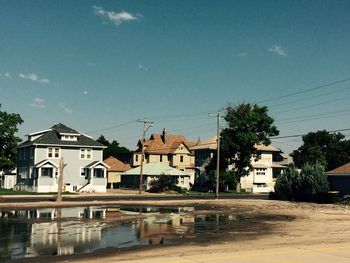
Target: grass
x=13, y=192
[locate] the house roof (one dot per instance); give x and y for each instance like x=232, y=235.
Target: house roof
x=165, y=143
x=156, y=169
x=116, y=165
x=344, y=169
x=266, y=148
x=96, y=163
x=210, y=144
x=53, y=137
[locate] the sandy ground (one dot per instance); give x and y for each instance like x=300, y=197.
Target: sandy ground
x=298, y=225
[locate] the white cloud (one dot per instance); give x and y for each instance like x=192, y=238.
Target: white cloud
x=65, y=108
x=85, y=92
x=7, y=75
x=242, y=54
x=140, y=66
x=34, y=77
x=278, y=50
x=113, y=17
x=38, y=103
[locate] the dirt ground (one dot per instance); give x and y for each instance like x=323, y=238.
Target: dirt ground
x=297, y=225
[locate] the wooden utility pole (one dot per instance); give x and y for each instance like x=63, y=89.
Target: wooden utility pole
x=217, y=153
x=60, y=181
x=146, y=126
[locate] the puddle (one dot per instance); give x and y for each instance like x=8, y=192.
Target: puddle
x=78, y=230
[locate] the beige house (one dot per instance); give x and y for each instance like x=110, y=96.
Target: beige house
x=114, y=172
x=171, y=150
x=263, y=177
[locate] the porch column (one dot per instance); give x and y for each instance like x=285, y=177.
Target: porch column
x=39, y=172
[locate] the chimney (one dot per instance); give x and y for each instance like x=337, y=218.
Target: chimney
x=164, y=135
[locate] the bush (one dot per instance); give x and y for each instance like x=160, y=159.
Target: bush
x=309, y=185
x=164, y=183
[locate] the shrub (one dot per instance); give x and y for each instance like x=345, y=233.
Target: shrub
x=164, y=183
x=309, y=185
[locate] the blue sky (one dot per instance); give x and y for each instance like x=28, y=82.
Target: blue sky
x=97, y=65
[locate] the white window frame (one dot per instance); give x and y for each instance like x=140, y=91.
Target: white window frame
x=53, y=152
x=83, y=153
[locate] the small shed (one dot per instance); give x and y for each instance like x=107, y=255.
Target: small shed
x=152, y=171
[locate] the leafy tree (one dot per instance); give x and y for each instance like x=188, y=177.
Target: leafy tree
x=113, y=148
x=103, y=140
x=309, y=185
x=164, y=183
x=8, y=140
x=248, y=125
x=330, y=150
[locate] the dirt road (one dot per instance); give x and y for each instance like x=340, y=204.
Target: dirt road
x=303, y=233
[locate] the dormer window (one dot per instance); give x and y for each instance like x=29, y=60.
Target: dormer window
x=71, y=138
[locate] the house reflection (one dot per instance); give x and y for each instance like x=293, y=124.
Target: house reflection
x=57, y=231
x=157, y=230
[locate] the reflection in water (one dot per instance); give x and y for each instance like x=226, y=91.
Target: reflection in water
x=64, y=231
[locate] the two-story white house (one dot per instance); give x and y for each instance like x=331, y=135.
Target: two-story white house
x=266, y=168
x=39, y=157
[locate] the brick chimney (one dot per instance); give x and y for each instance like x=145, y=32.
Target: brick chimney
x=164, y=135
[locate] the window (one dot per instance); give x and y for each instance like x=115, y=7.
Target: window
x=161, y=158
x=260, y=171
x=46, y=172
x=85, y=154
x=98, y=173
x=53, y=152
x=23, y=172
x=181, y=159
x=84, y=172
x=136, y=157
x=69, y=138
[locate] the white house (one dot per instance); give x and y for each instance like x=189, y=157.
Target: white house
x=262, y=178
x=39, y=157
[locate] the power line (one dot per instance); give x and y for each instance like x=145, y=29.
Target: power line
x=313, y=105
x=310, y=97
x=112, y=127
x=299, y=135
x=304, y=91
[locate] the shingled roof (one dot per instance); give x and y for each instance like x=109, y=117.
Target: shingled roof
x=116, y=165
x=165, y=143
x=344, y=169
x=53, y=137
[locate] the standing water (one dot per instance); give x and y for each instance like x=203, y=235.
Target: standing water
x=78, y=230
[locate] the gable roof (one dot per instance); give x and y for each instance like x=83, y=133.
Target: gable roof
x=53, y=137
x=156, y=169
x=344, y=169
x=116, y=165
x=161, y=144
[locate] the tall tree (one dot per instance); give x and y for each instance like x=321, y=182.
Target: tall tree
x=248, y=125
x=328, y=149
x=8, y=139
x=103, y=140
x=113, y=148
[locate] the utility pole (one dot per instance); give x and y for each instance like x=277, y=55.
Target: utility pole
x=146, y=126
x=60, y=181
x=217, y=116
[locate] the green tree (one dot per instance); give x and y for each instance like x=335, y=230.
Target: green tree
x=328, y=149
x=8, y=139
x=309, y=185
x=113, y=148
x=247, y=126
